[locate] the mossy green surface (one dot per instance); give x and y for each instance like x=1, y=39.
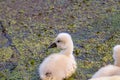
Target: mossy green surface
x=33, y=24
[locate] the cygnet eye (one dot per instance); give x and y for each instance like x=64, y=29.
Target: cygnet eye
x=58, y=41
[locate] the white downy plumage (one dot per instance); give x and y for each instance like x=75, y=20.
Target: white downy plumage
x=116, y=55
x=110, y=70
x=59, y=66
x=107, y=78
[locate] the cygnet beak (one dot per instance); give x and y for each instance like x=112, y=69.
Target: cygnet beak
x=52, y=45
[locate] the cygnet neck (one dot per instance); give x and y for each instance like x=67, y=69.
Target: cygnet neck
x=69, y=50
x=117, y=63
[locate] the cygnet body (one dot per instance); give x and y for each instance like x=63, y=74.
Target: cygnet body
x=110, y=70
x=107, y=78
x=59, y=66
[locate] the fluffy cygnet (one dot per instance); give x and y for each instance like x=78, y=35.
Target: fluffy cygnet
x=59, y=66
x=110, y=70
x=107, y=78
x=116, y=55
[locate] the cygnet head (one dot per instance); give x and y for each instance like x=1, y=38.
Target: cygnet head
x=116, y=55
x=63, y=41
